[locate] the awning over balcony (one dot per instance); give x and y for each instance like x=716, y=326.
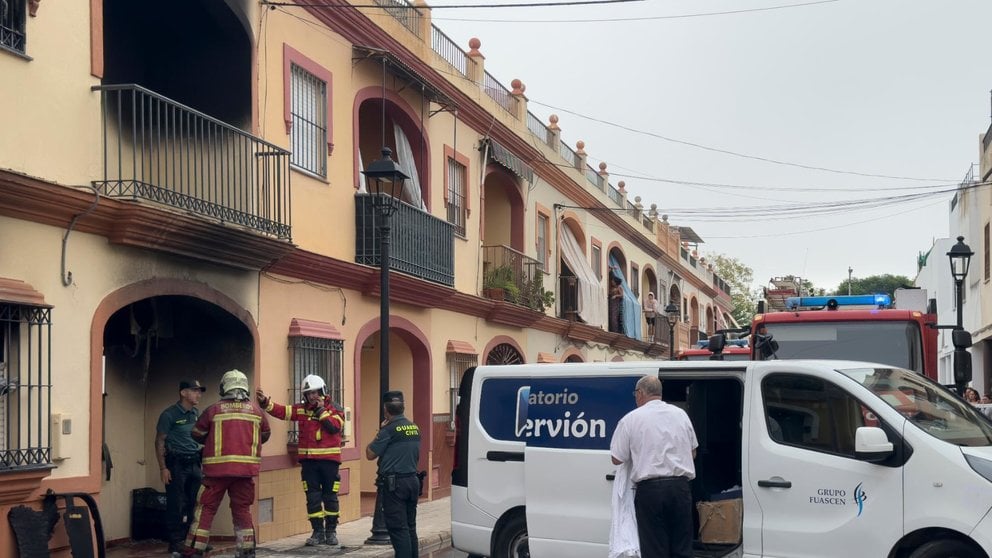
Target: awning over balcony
x=404, y=72
x=514, y=164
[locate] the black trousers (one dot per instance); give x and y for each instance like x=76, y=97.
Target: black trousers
x=180, y=496
x=320, y=484
x=664, y=518
x=399, y=509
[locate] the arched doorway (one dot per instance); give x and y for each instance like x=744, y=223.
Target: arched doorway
x=502, y=209
x=710, y=320
x=152, y=335
x=409, y=372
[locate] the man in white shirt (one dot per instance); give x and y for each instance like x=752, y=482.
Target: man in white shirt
x=659, y=444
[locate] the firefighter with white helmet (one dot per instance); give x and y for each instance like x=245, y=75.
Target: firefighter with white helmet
x=320, y=423
x=232, y=431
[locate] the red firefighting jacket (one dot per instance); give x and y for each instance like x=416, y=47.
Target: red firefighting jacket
x=232, y=433
x=320, y=428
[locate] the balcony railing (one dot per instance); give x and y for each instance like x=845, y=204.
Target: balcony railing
x=421, y=245
x=404, y=12
x=516, y=278
x=498, y=92
x=537, y=127
x=158, y=150
x=615, y=195
x=568, y=294
x=448, y=50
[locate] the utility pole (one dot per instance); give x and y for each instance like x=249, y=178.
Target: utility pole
x=849, y=271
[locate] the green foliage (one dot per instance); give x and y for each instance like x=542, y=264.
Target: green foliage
x=874, y=284
x=501, y=277
x=740, y=277
x=534, y=294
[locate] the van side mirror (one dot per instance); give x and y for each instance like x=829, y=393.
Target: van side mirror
x=717, y=342
x=962, y=367
x=961, y=338
x=871, y=444
x=766, y=346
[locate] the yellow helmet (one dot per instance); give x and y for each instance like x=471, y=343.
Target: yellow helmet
x=232, y=380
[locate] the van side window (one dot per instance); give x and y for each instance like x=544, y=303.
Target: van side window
x=811, y=413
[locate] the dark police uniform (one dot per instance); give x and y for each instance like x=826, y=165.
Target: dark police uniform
x=398, y=446
x=182, y=458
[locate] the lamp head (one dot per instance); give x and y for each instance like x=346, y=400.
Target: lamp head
x=385, y=178
x=672, y=314
x=960, y=256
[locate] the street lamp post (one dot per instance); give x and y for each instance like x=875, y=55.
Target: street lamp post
x=385, y=184
x=960, y=257
x=672, y=315
x=850, y=270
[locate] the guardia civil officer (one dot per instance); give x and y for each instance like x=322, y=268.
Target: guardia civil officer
x=397, y=446
x=179, y=461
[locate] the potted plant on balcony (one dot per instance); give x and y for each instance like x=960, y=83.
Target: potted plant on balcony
x=498, y=284
x=537, y=298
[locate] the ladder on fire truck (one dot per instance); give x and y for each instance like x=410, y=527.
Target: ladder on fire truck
x=779, y=289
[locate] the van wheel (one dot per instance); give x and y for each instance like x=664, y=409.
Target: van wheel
x=512, y=539
x=946, y=549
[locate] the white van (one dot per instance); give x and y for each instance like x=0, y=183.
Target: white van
x=829, y=458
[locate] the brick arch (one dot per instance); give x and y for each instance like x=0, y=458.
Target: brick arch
x=499, y=340
x=497, y=175
x=420, y=350
x=623, y=264
x=105, y=309
x=572, y=352
x=408, y=119
x=571, y=220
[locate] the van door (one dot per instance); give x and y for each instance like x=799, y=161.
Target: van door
x=815, y=498
x=567, y=467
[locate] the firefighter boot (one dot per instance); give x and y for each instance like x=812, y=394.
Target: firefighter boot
x=330, y=531
x=317, y=537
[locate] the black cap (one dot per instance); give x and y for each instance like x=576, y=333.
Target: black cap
x=191, y=384
x=392, y=397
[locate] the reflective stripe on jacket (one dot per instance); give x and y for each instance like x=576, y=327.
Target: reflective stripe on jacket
x=231, y=432
x=320, y=429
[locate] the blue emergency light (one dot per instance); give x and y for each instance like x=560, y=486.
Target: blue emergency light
x=877, y=300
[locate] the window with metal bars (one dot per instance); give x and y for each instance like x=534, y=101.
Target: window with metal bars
x=543, y=224
x=457, y=365
x=456, y=195
x=320, y=357
x=635, y=280
x=309, y=115
x=25, y=386
x=12, y=24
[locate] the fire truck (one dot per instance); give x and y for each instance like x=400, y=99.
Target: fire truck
x=735, y=349
x=871, y=328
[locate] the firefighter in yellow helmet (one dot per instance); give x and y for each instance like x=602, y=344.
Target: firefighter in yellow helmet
x=232, y=432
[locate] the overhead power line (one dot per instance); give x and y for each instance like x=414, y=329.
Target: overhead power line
x=734, y=153
x=643, y=18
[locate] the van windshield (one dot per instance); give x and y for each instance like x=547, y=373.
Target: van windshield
x=887, y=342
x=928, y=405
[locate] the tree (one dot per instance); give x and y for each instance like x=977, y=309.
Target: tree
x=810, y=290
x=740, y=277
x=875, y=284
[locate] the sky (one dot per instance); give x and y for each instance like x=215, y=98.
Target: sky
x=862, y=90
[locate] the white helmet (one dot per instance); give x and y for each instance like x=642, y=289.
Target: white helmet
x=313, y=383
x=234, y=380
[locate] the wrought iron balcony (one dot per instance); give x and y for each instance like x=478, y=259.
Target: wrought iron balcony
x=510, y=276
x=421, y=245
x=158, y=150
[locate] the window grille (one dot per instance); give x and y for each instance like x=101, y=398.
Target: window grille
x=12, y=25
x=635, y=280
x=25, y=386
x=456, y=196
x=457, y=365
x=309, y=116
x=542, y=241
x=320, y=357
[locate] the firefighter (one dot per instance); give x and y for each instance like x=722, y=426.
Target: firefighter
x=320, y=424
x=232, y=432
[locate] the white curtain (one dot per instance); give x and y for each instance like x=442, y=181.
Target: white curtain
x=592, y=294
x=404, y=156
x=360, y=179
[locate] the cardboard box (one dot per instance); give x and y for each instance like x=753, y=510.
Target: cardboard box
x=720, y=522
